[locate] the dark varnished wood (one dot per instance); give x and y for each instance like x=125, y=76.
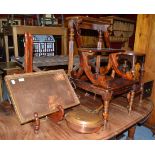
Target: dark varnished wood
x=28, y=60
x=36, y=123
x=101, y=83
x=85, y=76
x=75, y=24
x=57, y=116
x=131, y=132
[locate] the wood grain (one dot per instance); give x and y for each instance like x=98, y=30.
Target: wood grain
x=144, y=43
x=119, y=120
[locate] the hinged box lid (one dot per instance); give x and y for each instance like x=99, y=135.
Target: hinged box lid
x=40, y=92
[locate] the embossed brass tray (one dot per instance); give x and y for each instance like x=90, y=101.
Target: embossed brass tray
x=84, y=121
x=40, y=92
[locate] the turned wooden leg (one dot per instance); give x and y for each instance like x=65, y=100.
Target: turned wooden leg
x=100, y=41
x=106, y=112
x=71, y=46
x=131, y=100
x=106, y=99
x=141, y=94
x=131, y=133
x=141, y=83
x=1, y=98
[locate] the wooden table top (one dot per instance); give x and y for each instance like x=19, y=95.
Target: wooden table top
x=9, y=65
x=49, y=60
x=119, y=121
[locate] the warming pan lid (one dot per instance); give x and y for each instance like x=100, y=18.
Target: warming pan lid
x=84, y=118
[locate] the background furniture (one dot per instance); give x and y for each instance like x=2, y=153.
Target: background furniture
x=34, y=30
x=75, y=24
x=121, y=30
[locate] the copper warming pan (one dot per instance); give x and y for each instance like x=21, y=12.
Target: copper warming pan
x=84, y=121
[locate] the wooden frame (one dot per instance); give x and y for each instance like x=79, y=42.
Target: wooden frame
x=81, y=22
x=49, y=94
x=18, y=30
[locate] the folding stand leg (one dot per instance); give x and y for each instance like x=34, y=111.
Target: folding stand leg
x=36, y=123
x=57, y=116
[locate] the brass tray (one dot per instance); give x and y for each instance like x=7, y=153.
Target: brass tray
x=40, y=92
x=84, y=121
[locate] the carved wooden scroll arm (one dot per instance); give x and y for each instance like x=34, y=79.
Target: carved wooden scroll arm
x=78, y=71
x=105, y=69
x=113, y=58
x=96, y=79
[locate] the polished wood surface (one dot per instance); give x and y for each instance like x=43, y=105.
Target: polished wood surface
x=57, y=60
x=144, y=43
x=119, y=121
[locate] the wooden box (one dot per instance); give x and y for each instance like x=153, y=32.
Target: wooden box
x=40, y=92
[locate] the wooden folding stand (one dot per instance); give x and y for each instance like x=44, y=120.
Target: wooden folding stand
x=39, y=94
x=42, y=91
